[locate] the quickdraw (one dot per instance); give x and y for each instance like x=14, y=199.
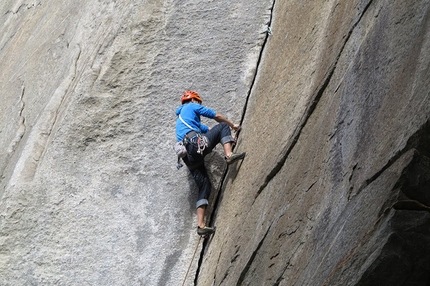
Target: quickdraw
x=202, y=143
x=198, y=140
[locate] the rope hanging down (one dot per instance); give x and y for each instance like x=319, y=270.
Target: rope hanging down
x=191, y=262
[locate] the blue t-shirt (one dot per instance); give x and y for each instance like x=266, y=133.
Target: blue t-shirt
x=190, y=113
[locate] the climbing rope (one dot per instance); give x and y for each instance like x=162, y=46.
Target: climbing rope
x=192, y=259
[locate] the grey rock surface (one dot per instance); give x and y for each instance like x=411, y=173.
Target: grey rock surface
x=90, y=194
x=340, y=103
x=334, y=102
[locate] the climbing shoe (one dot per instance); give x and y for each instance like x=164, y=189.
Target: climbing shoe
x=235, y=157
x=205, y=230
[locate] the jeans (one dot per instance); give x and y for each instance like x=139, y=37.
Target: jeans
x=220, y=133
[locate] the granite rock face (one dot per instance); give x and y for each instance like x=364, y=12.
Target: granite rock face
x=90, y=194
x=333, y=97
x=336, y=131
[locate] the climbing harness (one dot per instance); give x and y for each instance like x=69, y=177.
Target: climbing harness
x=198, y=140
x=195, y=138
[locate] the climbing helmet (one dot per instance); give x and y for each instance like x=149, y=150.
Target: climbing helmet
x=188, y=95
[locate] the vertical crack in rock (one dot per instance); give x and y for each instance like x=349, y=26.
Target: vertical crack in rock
x=281, y=277
x=419, y=140
x=18, y=136
x=218, y=198
x=27, y=165
x=308, y=112
x=225, y=274
x=251, y=259
x=298, y=249
x=21, y=125
x=268, y=33
x=260, y=57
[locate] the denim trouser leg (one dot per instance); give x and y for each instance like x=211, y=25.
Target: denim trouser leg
x=220, y=133
x=201, y=178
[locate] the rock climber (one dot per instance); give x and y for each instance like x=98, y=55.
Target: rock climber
x=199, y=141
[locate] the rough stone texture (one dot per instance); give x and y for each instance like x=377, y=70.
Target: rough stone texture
x=90, y=194
x=340, y=103
x=334, y=188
